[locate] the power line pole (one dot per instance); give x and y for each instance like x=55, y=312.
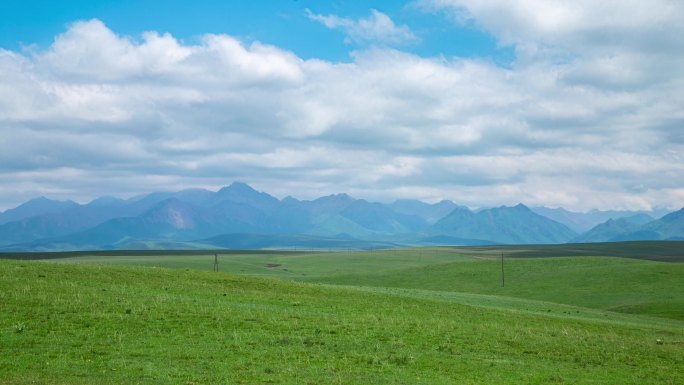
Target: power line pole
x=502, y=271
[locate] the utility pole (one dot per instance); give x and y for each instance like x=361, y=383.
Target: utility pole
x=502, y=271
x=215, y=262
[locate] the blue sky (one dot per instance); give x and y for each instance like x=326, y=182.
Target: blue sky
x=283, y=23
x=578, y=104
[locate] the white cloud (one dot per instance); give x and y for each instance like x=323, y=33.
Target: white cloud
x=625, y=22
x=624, y=43
x=102, y=114
x=376, y=28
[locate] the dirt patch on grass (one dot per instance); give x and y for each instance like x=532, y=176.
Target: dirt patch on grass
x=273, y=265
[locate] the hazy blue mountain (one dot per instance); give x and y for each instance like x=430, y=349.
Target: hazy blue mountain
x=35, y=207
x=335, y=225
x=446, y=240
x=288, y=218
x=341, y=214
x=324, y=217
x=639, y=219
x=671, y=226
x=455, y=218
x=170, y=219
x=34, y=228
x=197, y=197
x=380, y=218
x=331, y=204
x=239, y=192
x=582, y=222
x=431, y=213
x=175, y=219
x=291, y=241
x=268, y=218
x=511, y=225
x=76, y=218
x=72, y=219
x=614, y=228
x=107, y=201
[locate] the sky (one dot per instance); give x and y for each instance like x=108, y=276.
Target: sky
x=575, y=104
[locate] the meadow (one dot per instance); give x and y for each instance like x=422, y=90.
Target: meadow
x=412, y=316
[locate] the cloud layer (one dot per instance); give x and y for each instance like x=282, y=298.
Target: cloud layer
x=591, y=114
x=378, y=28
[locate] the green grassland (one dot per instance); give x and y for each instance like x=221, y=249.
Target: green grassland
x=629, y=285
x=414, y=316
x=624, y=285
x=80, y=324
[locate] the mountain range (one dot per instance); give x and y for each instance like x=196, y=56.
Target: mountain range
x=238, y=216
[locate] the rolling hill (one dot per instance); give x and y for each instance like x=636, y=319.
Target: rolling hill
x=122, y=324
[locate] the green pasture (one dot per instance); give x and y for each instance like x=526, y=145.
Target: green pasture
x=94, y=323
x=591, y=314
x=628, y=285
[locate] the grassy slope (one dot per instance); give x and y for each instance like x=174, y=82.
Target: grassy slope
x=78, y=324
x=618, y=284
x=672, y=251
x=625, y=285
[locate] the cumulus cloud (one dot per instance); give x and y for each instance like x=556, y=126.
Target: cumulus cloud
x=626, y=43
x=97, y=113
x=376, y=28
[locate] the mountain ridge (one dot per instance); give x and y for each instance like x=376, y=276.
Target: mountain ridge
x=503, y=225
x=193, y=216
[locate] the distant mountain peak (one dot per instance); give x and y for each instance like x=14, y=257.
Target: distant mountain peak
x=105, y=201
x=674, y=215
x=505, y=224
x=243, y=193
x=35, y=207
x=40, y=199
x=290, y=199
x=520, y=208
x=238, y=187
x=342, y=197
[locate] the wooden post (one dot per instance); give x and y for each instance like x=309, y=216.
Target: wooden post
x=502, y=271
x=216, y=262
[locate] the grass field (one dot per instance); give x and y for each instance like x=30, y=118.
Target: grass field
x=422, y=316
x=629, y=285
